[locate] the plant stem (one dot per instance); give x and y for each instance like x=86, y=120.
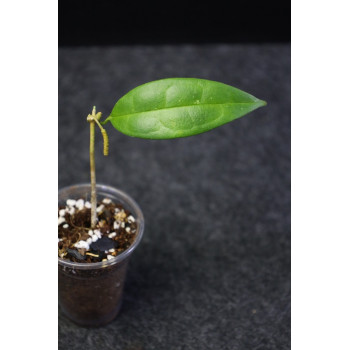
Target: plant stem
x=93, y=170
x=92, y=119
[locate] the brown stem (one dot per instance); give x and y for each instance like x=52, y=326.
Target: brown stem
x=92, y=170
x=92, y=119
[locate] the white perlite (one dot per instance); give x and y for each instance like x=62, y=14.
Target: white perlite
x=107, y=201
x=100, y=208
x=112, y=235
x=71, y=211
x=87, y=205
x=61, y=220
x=98, y=233
x=65, y=226
x=116, y=225
x=80, y=204
x=62, y=212
x=82, y=244
x=131, y=219
x=71, y=202
x=109, y=257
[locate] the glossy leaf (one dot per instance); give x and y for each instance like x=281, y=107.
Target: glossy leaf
x=179, y=107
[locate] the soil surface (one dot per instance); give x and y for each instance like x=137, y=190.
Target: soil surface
x=77, y=242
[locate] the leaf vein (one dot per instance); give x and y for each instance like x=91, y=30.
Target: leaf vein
x=175, y=107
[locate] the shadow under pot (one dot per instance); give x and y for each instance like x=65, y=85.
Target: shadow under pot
x=90, y=293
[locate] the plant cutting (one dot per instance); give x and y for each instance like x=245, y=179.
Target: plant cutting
x=99, y=226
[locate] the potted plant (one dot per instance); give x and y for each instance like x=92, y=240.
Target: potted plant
x=100, y=226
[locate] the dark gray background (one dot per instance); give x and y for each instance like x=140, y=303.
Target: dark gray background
x=213, y=269
x=106, y=22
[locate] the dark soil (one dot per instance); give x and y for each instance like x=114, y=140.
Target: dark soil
x=77, y=242
x=91, y=297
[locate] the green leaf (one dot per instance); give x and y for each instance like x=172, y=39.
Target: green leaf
x=179, y=107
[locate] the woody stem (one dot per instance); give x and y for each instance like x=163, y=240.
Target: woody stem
x=93, y=171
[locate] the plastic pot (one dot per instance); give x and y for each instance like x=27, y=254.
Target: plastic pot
x=90, y=294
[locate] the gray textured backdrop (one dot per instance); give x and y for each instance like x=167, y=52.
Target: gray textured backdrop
x=213, y=269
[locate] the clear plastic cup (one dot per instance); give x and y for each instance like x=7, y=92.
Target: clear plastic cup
x=90, y=294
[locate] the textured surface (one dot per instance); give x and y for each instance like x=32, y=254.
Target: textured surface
x=213, y=269
x=179, y=107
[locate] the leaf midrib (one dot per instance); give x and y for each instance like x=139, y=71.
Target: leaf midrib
x=175, y=107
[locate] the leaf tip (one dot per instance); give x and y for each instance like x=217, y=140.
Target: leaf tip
x=262, y=103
